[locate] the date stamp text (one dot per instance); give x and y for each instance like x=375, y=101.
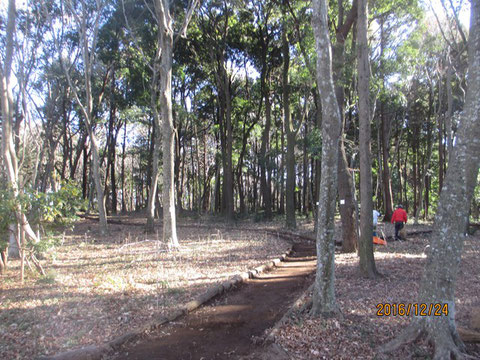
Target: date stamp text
x=407, y=309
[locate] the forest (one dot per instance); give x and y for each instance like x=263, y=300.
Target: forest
x=158, y=154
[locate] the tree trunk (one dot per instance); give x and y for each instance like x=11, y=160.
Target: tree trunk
x=306, y=176
x=439, y=117
x=193, y=178
x=414, y=146
x=449, y=114
x=226, y=129
x=48, y=175
x=21, y=245
x=347, y=206
x=13, y=250
x=113, y=130
x=318, y=163
x=124, y=202
x=85, y=176
x=206, y=179
x=217, y=202
x=365, y=251
x=426, y=164
x=386, y=178
x=405, y=178
x=264, y=160
x=241, y=193
x=7, y=107
x=290, y=220
x=443, y=258
x=345, y=183
x=385, y=141
x=157, y=141
x=199, y=175
x=324, y=301
x=281, y=207
x=165, y=44
x=181, y=178
x=88, y=42
x=81, y=144
x=3, y=260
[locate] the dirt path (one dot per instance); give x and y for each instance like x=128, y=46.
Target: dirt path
x=224, y=327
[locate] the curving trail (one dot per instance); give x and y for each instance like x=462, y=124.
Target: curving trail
x=225, y=327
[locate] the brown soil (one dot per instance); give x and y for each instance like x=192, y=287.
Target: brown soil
x=98, y=287
x=226, y=327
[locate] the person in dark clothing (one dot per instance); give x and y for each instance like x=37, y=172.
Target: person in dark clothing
x=399, y=218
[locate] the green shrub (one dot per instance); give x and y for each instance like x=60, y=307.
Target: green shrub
x=61, y=206
x=7, y=205
x=41, y=209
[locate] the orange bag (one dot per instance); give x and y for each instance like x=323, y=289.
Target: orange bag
x=379, y=241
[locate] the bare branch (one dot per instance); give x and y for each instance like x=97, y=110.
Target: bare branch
x=133, y=38
x=149, y=8
x=441, y=28
x=183, y=30
x=459, y=26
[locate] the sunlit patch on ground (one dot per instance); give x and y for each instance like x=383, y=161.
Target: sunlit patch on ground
x=97, y=287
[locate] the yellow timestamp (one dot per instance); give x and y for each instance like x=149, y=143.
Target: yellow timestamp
x=407, y=309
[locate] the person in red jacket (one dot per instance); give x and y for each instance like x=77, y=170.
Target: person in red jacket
x=399, y=218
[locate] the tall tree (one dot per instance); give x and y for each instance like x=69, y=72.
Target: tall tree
x=289, y=128
x=10, y=161
x=365, y=250
x=156, y=134
x=324, y=301
x=443, y=258
x=165, y=45
x=345, y=181
x=263, y=13
x=385, y=125
x=217, y=30
x=87, y=21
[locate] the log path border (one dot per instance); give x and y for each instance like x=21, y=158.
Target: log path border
x=96, y=352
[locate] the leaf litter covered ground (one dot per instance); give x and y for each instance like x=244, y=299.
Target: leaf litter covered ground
x=361, y=331
x=98, y=288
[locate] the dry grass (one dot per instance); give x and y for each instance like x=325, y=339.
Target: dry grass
x=97, y=287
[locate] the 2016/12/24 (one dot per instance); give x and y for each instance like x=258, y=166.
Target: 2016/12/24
x=403, y=309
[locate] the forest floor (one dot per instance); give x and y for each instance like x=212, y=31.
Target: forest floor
x=362, y=331
x=98, y=288
x=228, y=326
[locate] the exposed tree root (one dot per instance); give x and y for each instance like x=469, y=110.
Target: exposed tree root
x=329, y=313
x=307, y=306
x=445, y=340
